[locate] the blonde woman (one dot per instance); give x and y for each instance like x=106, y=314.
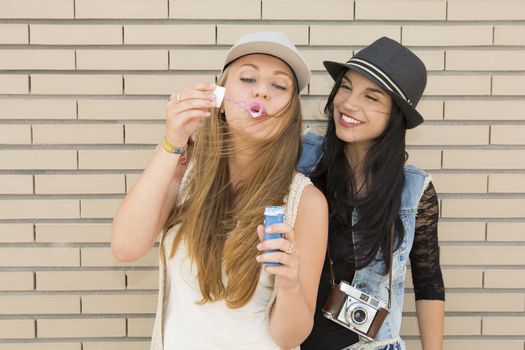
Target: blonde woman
x=214, y=292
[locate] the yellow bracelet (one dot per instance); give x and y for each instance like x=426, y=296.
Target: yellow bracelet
x=168, y=147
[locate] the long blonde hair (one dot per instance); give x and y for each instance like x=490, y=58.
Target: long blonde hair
x=217, y=222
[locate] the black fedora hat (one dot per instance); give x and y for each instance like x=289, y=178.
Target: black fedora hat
x=393, y=67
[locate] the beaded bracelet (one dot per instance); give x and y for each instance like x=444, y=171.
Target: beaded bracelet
x=168, y=147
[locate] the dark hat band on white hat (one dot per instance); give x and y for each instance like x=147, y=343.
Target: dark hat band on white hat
x=381, y=76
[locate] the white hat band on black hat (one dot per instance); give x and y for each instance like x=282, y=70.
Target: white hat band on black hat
x=381, y=76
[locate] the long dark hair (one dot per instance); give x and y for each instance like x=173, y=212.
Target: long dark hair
x=384, y=179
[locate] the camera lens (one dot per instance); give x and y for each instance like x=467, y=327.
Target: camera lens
x=359, y=316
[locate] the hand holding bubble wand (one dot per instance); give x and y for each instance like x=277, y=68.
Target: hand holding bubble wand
x=254, y=107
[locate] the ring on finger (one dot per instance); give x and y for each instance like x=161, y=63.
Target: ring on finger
x=291, y=249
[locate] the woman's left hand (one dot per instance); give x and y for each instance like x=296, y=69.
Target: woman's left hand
x=287, y=274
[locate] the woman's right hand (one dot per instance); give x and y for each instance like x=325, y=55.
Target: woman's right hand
x=145, y=209
x=185, y=110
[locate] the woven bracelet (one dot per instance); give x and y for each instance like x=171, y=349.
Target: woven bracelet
x=168, y=147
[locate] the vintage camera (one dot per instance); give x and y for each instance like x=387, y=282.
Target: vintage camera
x=355, y=310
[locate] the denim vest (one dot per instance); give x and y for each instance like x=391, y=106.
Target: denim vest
x=371, y=279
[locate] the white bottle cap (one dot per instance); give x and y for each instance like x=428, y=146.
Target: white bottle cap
x=274, y=210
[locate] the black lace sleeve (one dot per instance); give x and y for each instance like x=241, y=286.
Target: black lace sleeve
x=424, y=257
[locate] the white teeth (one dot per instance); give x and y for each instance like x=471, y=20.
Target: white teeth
x=347, y=119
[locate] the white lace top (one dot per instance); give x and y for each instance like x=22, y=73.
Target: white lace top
x=181, y=323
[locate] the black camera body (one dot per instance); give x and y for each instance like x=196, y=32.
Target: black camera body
x=355, y=310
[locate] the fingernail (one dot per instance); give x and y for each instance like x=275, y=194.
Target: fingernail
x=259, y=246
x=258, y=258
x=269, y=229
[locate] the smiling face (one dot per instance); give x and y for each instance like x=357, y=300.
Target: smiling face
x=361, y=110
x=257, y=80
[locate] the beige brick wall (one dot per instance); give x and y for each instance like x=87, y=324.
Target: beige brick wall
x=83, y=87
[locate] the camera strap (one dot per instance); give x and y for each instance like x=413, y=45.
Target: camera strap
x=332, y=274
x=392, y=234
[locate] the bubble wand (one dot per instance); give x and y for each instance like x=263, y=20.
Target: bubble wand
x=254, y=107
